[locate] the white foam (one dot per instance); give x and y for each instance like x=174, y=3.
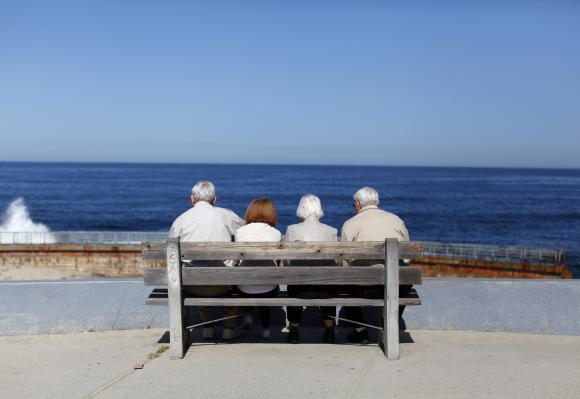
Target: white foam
x=16, y=219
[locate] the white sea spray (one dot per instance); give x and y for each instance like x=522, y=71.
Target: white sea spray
x=17, y=227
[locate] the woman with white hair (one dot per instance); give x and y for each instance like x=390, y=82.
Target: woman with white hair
x=311, y=229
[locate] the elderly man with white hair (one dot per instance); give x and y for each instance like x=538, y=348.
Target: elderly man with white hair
x=370, y=223
x=205, y=222
x=311, y=229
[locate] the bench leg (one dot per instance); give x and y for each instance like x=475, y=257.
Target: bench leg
x=176, y=308
x=391, y=295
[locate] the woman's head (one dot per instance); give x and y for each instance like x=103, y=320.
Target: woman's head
x=261, y=210
x=308, y=206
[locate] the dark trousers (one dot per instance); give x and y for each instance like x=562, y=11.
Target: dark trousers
x=355, y=313
x=311, y=292
x=263, y=311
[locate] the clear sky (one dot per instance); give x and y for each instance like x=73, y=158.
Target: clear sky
x=488, y=83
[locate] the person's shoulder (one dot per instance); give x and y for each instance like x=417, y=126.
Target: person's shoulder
x=243, y=232
x=350, y=221
x=183, y=216
x=244, y=228
x=393, y=216
x=292, y=231
x=330, y=233
x=329, y=228
x=292, y=227
x=272, y=232
x=225, y=212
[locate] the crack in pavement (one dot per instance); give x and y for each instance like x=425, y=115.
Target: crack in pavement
x=359, y=379
x=96, y=392
x=120, y=308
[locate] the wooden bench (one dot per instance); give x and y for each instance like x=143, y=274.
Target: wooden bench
x=176, y=276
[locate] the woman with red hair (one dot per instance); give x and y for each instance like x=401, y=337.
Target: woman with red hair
x=260, y=226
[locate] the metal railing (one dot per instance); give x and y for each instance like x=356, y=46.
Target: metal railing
x=509, y=254
x=496, y=253
x=81, y=237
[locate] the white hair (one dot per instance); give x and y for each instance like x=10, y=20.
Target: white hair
x=309, y=205
x=203, y=191
x=367, y=196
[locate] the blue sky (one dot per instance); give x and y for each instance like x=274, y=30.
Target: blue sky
x=317, y=82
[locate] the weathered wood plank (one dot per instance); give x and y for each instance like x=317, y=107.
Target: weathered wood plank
x=391, y=300
x=176, y=309
x=237, y=301
x=157, y=301
x=282, y=250
x=155, y=276
x=285, y=301
x=317, y=275
x=159, y=297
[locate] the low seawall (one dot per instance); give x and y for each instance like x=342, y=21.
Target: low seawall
x=125, y=260
x=537, y=306
x=99, y=260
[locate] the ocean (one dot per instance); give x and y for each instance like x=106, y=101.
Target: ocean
x=527, y=207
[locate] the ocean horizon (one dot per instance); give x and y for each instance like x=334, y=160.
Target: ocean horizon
x=535, y=207
x=160, y=163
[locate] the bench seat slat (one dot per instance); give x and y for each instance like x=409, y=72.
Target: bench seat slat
x=156, y=301
x=287, y=251
x=293, y=302
x=159, y=297
x=298, y=275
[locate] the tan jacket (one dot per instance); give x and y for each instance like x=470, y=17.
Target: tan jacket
x=374, y=224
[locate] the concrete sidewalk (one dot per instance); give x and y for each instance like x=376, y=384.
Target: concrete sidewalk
x=438, y=364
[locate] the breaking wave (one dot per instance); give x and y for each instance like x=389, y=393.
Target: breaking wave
x=18, y=228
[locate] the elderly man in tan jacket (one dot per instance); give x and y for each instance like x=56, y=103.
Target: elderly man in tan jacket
x=370, y=223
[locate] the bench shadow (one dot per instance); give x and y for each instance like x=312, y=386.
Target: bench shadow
x=310, y=331
x=164, y=339
x=308, y=335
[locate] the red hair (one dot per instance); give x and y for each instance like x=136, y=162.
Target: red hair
x=261, y=210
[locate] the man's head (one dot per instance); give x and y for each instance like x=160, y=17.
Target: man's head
x=203, y=191
x=365, y=196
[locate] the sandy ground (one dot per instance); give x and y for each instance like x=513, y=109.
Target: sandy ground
x=433, y=364
x=38, y=273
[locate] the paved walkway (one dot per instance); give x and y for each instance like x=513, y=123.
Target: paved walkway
x=439, y=364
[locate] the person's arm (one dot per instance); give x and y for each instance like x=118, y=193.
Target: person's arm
x=231, y=262
x=175, y=230
x=279, y=262
x=344, y=236
x=289, y=236
x=232, y=221
x=404, y=232
x=334, y=235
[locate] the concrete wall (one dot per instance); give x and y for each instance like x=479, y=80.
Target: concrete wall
x=99, y=260
x=29, y=307
x=540, y=306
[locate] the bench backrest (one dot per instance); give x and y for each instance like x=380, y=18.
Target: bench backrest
x=306, y=274
x=281, y=250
